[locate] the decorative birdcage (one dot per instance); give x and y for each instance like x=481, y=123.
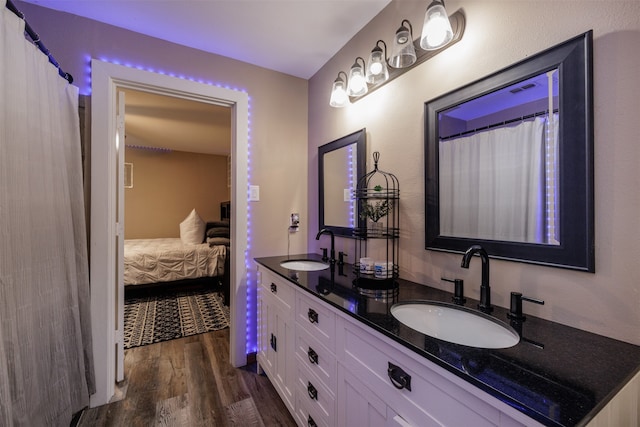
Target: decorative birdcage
x=376, y=256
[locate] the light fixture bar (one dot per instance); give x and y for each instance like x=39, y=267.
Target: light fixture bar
x=457, y=25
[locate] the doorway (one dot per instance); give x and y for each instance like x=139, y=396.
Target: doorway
x=106, y=78
x=177, y=159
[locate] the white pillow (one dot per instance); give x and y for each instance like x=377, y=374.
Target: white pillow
x=192, y=229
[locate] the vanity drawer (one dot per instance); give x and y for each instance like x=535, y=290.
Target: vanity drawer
x=277, y=287
x=430, y=395
x=313, y=395
x=317, y=319
x=316, y=357
x=307, y=415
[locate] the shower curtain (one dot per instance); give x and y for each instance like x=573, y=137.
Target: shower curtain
x=46, y=365
x=492, y=184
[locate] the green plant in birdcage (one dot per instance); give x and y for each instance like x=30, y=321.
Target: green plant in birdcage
x=375, y=211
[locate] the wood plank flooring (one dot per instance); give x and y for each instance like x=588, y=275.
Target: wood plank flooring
x=189, y=382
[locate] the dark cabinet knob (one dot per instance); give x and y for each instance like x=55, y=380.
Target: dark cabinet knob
x=274, y=343
x=313, y=356
x=399, y=378
x=313, y=315
x=313, y=393
x=311, y=422
x=274, y=288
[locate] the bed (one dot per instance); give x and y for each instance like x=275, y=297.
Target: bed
x=168, y=259
x=172, y=263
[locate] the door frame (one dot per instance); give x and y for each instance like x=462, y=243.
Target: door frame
x=106, y=78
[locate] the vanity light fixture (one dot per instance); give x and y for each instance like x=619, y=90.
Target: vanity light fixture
x=436, y=31
x=339, y=97
x=377, y=70
x=439, y=33
x=357, y=85
x=403, y=53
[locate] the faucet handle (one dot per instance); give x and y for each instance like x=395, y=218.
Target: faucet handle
x=324, y=254
x=458, y=293
x=341, y=256
x=515, y=310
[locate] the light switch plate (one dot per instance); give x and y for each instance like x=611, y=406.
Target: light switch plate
x=254, y=193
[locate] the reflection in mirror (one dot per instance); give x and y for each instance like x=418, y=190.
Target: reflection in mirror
x=340, y=164
x=339, y=181
x=498, y=169
x=509, y=161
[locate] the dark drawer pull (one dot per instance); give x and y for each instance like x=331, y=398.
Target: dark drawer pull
x=313, y=316
x=399, y=378
x=313, y=393
x=274, y=288
x=311, y=422
x=274, y=343
x=313, y=356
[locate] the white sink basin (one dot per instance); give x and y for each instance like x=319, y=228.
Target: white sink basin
x=304, y=265
x=456, y=324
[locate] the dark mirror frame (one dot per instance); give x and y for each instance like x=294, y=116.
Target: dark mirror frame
x=574, y=62
x=358, y=138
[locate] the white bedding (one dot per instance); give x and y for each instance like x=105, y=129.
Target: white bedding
x=168, y=259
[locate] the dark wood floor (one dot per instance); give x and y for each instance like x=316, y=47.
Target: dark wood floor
x=189, y=382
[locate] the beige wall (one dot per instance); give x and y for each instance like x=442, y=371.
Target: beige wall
x=278, y=110
x=167, y=186
x=499, y=33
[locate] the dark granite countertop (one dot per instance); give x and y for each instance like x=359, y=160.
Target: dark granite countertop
x=557, y=375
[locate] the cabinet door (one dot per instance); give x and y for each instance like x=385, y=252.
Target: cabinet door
x=357, y=405
x=266, y=355
x=284, y=353
x=276, y=347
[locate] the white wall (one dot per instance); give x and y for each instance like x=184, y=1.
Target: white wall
x=498, y=34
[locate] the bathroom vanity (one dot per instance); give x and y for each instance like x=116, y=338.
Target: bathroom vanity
x=338, y=358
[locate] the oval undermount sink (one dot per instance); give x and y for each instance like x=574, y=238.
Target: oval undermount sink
x=304, y=265
x=456, y=324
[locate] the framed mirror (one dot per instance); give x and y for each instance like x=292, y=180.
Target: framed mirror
x=509, y=161
x=340, y=164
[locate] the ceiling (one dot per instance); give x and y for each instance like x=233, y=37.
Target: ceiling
x=155, y=121
x=295, y=37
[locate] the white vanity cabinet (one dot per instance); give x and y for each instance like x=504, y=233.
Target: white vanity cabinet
x=421, y=394
x=276, y=337
x=332, y=370
x=316, y=361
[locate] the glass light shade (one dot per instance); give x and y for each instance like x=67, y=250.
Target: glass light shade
x=357, y=81
x=436, y=31
x=339, y=97
x=403, y=54
x=377, y=71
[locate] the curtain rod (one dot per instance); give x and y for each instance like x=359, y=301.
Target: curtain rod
x=36, y=40
x=494, y=125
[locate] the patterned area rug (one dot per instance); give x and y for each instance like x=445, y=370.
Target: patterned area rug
x=171, y=315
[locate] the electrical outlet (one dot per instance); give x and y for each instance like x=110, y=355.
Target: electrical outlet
x=294, y=221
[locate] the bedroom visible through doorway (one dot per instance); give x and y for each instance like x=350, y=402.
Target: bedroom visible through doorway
x=178, y=154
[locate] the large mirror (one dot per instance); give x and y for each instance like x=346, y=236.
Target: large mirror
x=340, y=164
x=509, y=161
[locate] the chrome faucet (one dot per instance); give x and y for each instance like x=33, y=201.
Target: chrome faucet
x=485, y=289
x=332, y=257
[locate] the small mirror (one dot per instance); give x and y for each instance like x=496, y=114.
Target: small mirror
x=340, y=164
x=510, y=161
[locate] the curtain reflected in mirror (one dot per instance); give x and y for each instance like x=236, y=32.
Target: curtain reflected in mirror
x=340, y=164
x=498, y=168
